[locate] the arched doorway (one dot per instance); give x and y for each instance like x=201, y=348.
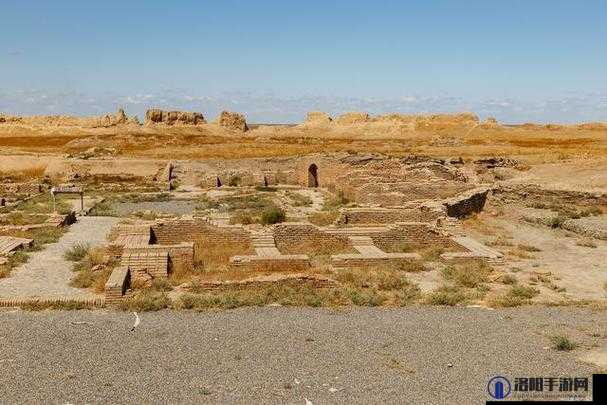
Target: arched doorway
x=313, y=175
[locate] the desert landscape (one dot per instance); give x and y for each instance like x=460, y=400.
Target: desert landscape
x=389, y=210
x=440, y=220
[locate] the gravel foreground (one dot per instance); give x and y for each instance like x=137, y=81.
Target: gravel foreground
x=417, y=355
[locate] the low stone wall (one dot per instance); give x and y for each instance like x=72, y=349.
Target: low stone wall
x=180, y=254
x=361, y=216
x=21, y=188
x=189, y=230
x=147, y=265
x=466, y=203
x=537, y=194
x=415, y=235
x=302, y=238
x=117, y=284
x=593, y=227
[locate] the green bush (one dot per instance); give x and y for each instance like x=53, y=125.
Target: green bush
x=234, y=181
x=273, y=215
x=562, y=343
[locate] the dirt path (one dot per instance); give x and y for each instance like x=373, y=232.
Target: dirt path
x=47, y=274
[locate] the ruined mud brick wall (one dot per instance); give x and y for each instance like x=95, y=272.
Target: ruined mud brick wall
x=119, y=182
x=181, y=254
x=385, y=216
x=401, y=193
x=415, y=235
x=302, y=238
x=538, y=195
x=117, y=284
x=292, y=263
x=122, y=234
x=237, y=178
x=189, y=230
x=328, y=169
x=21, y=188
x=165, y=176
x=104, y=170
x=466, y=203
x=146, y=265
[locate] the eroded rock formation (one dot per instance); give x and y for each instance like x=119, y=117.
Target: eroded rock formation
x=156, y=116
x=352, y=118
x=318, y=118
x=232, y=120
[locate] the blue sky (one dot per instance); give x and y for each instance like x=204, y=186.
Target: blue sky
x=273, y=60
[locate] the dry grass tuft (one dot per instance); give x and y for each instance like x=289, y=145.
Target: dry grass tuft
x=467, y=275
x=91, y=266
x=145, y=300
x=562, y=343
x=516, y=296
x=448, y=295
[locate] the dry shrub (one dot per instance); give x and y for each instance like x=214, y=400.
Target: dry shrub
x=92, y=267
x=448, y=295
x=289, y=295
x=77, y=252
x=516, y=296
x=468, y=275
x=55, y=305
x=372, y=286
x=145, y=300
x=273, y=215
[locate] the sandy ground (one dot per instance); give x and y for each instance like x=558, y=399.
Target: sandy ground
x=576, y=175
x=580, y=270
x=421, y=355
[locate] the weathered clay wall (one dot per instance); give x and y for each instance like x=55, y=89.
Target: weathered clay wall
x=180, y=254
x=300, y=238
x=466, y=203
x=358, y=216
x=415, y=235
x=189, y=230
x=21, y=188
x=537, y=194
